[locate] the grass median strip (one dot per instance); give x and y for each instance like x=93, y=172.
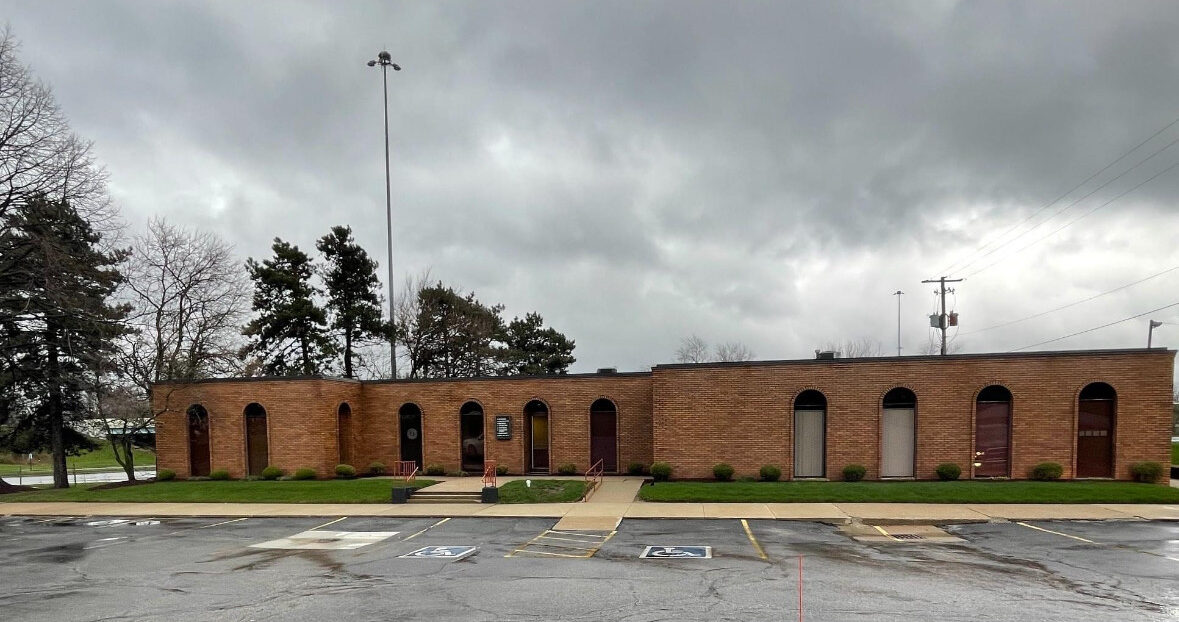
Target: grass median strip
x=314, y=491
x=910, y=492
x=542, y=491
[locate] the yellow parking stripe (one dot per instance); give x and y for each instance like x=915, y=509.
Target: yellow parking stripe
x=885, y=533
x=332, y=522
x=426, y=529
x=756, y=545
x=589, y=552
x=224, y=522
x=1055, y=532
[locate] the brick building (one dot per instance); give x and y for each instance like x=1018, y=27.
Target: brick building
x=995, y=415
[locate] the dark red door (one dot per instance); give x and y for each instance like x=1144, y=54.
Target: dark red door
x=256, y=444
x=1095, y=439
x=992, y=439
x=604, y=440
x=198, y=444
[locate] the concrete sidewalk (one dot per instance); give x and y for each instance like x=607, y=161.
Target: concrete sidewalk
x=611, y=512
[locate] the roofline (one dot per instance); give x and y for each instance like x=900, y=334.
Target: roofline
x=922, y=358
x=582, y=376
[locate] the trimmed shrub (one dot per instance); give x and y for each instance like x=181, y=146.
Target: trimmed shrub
x=567, y=469
x=376, y=468
x=343, y=471
x=308, y=473
x=501, y=469
x=661, y=471
x=635, y=468
x=435, y=469
x=1146, y=472
x=854, y=472
x=272, y=473
x=1047, y=471
x=220, y=475
x=948, y=471
x=770, y=473
x=723, y=472
x=165, y=475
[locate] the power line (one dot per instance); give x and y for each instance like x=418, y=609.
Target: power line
x=1069, y=206
x=1071, y=304
x=1089, y=330
x=1061, y=197
x=1073, y=221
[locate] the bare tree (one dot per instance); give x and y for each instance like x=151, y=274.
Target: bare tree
x=861, y=347
x=409, y=335
x=189, y=296
x=692, y=350
x=934, y=345
x=733, y=351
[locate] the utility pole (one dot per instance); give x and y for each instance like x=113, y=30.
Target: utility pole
x=1150, y=333
x=942, y=317
x=898, y=294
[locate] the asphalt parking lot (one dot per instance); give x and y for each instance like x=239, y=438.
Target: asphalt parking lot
x=350, y=569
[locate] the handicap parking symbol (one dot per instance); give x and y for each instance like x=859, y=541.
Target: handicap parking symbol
x=677, y=552
x=441, y=552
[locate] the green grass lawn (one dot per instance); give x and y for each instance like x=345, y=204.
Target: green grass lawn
x=911, y=492
x=101, y=458
x=314, y=491
x=542, y=491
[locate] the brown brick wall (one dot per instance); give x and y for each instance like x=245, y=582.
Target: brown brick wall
x=695, y=416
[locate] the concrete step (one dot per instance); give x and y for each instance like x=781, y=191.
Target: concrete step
x=426, y=496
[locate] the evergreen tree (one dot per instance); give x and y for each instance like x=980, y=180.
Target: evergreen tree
x=289, y=335
x=353, y=296
x=533, y=350
x=449, y=335
x=58, y=324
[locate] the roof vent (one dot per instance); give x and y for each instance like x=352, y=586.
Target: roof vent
x=826, y=355
x=607, y=370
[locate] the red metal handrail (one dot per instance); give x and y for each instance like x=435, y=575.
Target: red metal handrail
x=489, y=473
x=593, y=478
x=407, y=469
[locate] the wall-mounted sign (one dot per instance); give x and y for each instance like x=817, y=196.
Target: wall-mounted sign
x=503, y=427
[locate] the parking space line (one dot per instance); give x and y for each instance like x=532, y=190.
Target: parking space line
x=597, y=542
x=224, y=522
x=333, y=522
x=1054, y=532
x=513, y=554
x=752, y=540
x=425, y=530
x=548, y=537
x=885, y=533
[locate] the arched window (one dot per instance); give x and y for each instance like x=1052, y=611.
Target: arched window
x=810, y=434
x=410, y=424
x=992, y=432
x=198, y=441
x=471, y=434
x=257, y=441
x=898, y=433
x=536, y=413
x=604, y=434
x=1096, y=421
x=344, y=433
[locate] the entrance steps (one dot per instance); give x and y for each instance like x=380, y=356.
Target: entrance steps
x=428, y=496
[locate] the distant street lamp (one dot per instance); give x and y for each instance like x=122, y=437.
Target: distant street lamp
x=385, y=61
x=1150, y=333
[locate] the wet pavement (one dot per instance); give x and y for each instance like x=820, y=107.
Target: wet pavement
x=207, y=568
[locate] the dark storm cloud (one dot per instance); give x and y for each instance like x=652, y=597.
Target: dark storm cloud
x=765, y=172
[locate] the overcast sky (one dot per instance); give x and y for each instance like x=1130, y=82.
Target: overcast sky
x=637, y=172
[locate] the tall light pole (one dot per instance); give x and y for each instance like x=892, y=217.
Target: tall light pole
x=898, y=294
x=1150, y=333
x=385, y=61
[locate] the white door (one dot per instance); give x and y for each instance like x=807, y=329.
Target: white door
x=899, y=443
x=808, y=443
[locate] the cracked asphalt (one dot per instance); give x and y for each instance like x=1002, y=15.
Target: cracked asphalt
x=204, y=569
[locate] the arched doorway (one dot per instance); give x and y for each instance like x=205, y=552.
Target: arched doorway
x=536, y=413
x=810, y=434
x=344, y=433
x=410, y=419
x=604, y=434
x=992, y=432
x=898, y=440
x=198, y=441
x=471, y=433
x=257, y=443
x=1096, y=417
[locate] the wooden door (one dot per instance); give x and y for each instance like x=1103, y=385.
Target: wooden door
x=992, y=439
x=1095, y=438
x=198, y=445
x=539, y=438
x=604, y=440
x=257, y=446
x=345, y=438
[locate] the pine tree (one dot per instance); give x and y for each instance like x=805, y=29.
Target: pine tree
x=532, y=349
x=353, y=296
x=58, y=322
x=289, y=335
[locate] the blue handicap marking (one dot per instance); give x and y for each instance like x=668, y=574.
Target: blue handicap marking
x=441, y=552
x=677, y=552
